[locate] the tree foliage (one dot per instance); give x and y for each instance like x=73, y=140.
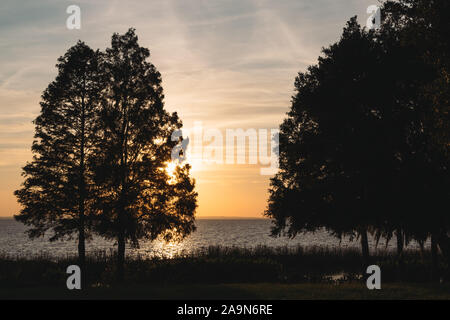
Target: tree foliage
x=138, y=198
x=365, y=144
x=58, y=191
x=103, y=144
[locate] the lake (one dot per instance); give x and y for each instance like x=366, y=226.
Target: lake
x=210, y=232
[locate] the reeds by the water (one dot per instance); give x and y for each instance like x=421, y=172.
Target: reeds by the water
x=218, y=264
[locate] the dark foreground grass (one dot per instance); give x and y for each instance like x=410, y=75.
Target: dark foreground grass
x=222, y=273
x=238, y=291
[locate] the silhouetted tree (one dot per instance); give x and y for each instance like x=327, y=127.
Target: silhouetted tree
x=365, y=145
x=57, y=193
x=138, y=198
x=333, y=152
x=421, y=28
x=404, y=73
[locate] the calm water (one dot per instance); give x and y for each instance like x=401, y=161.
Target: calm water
x=241, y=233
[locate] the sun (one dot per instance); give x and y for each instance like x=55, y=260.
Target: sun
x=171, y=166
x=170, y=169
x=195, y=162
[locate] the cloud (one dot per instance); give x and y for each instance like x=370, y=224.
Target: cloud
x=230, y=64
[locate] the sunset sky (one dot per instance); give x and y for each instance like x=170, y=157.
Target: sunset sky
x=229, y=64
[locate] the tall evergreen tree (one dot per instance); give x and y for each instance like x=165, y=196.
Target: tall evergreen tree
x=58, y=193
x=139, y=199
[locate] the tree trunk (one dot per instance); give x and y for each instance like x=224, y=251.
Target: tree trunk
x=82, y=193
x=82, y=252
x=434, y=258
x=400, y=245
x=120, y=257
x=81, y=246
x=400, y=242
x=422, y=248
x=444, y=244
x=365, y=247
x=123, y=196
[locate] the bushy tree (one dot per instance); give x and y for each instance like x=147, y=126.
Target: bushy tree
x=58, y=191
x=419, y=29
x=103, y=145
x=333, y=153
x=138, y=198
x=365, y=145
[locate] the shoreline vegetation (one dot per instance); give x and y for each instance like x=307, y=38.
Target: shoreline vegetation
x=229, y=272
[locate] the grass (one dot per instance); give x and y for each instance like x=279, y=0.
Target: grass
x=238, y=291
x=224, y=272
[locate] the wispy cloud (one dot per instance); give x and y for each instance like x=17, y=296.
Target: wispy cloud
x=229, y=64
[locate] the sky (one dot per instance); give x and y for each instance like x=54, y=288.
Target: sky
x=225, y=64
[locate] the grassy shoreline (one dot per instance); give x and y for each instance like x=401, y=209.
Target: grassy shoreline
x=229, y=273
